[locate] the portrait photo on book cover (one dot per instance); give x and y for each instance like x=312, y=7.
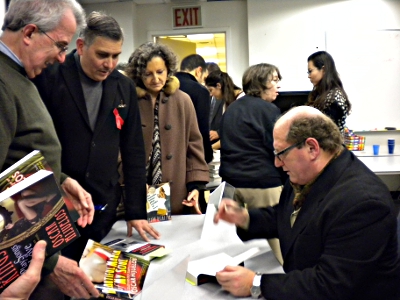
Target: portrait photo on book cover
x=26, y=211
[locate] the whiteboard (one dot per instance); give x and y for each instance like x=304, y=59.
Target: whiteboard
x=368, y=63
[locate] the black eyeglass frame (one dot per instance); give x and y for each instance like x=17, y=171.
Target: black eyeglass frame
x=59, y=45
x=278, y=154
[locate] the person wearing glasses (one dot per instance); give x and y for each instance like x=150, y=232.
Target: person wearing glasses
x=96, y=117
x=336, y=221
x=35, y=35
x=247, y=158
x=327, y=94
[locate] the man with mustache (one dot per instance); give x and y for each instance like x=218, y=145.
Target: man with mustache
x=96, y=115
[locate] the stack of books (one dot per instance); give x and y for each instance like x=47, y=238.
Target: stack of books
x=214, y=167
x=353, y=141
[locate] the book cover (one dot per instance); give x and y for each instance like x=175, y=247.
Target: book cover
x=25, y=167
x=158, y=203
x=31, y=210
x=115, y=274
x=144, y=250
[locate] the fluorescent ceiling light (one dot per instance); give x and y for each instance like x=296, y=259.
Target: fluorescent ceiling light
x=207, y=51
x=201, y=36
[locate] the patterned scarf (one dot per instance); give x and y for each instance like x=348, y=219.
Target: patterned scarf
x=153, y=167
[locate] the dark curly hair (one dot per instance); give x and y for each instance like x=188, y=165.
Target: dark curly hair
x=138, y=60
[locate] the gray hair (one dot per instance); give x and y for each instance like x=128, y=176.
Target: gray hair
x=45, y=14
x=255, y=78
x=99, y=24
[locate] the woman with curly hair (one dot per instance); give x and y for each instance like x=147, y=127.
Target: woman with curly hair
x=328, y=94
x=173, y=143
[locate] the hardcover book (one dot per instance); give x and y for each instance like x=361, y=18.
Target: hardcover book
x=31, y=210
x=144, y=250
x=116, y=274
x=24, y=168
x=158, y=203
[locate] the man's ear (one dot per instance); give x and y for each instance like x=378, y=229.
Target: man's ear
x=27, y=32
x=313, y=147
x=199, y=72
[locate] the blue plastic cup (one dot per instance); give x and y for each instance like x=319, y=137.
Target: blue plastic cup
x=391, y=146
x=376, y=149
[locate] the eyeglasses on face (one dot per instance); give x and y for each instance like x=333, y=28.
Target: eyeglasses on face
x=61, y=46
x=310, y=71
x=286, y=150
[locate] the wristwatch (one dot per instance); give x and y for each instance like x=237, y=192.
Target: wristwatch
x=255, y=289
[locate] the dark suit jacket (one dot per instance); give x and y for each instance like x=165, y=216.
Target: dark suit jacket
x=201, y=101
x=343, y=244
x=216, y=116
x=91, y=157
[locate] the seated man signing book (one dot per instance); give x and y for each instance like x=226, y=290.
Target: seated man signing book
x=335, y=220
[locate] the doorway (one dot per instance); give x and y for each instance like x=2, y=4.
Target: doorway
x=211, y=46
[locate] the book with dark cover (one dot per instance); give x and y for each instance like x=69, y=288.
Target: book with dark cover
x=158, y=203
x=31, y=210
x=116, y=274
x=25, y=167
x=144, y=250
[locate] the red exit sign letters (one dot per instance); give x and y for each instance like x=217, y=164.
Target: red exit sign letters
x=187, y=17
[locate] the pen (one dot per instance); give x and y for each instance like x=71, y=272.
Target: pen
x=100, y=207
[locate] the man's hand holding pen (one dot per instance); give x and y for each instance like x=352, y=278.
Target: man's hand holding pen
x=231, y=212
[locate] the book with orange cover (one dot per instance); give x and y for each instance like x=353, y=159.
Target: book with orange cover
x=116, y=274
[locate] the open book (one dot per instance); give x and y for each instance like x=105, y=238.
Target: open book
x=31, y=210
x=204, y=270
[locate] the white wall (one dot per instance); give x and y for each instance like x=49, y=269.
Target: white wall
x=124, y=13
x=286, y=32
x=2, y=12
x=154, y=19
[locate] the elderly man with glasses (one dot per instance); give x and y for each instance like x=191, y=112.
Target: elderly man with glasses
x=35, y=35
x=335, y=220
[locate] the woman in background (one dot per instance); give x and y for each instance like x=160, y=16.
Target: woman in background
x=247, y=152
x=328, y=94
x=222, y=88
x=173, y=143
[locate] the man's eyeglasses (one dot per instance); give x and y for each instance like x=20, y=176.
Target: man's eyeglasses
x=278, y=154
x=61, y=46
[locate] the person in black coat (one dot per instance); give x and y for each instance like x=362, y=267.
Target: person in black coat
x=336, y=221
x=191, y=78
x=96, y=117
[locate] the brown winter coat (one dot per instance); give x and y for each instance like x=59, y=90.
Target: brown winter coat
x=181, y=142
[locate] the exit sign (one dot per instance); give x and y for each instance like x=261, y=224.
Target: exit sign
x=187, y=17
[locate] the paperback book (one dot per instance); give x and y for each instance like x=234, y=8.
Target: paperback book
x=24, y=168
x=31, y=210
x=116, y=274
x=147, y=251
x=158, y=203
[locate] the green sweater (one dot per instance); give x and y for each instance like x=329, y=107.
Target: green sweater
x=25, y=125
